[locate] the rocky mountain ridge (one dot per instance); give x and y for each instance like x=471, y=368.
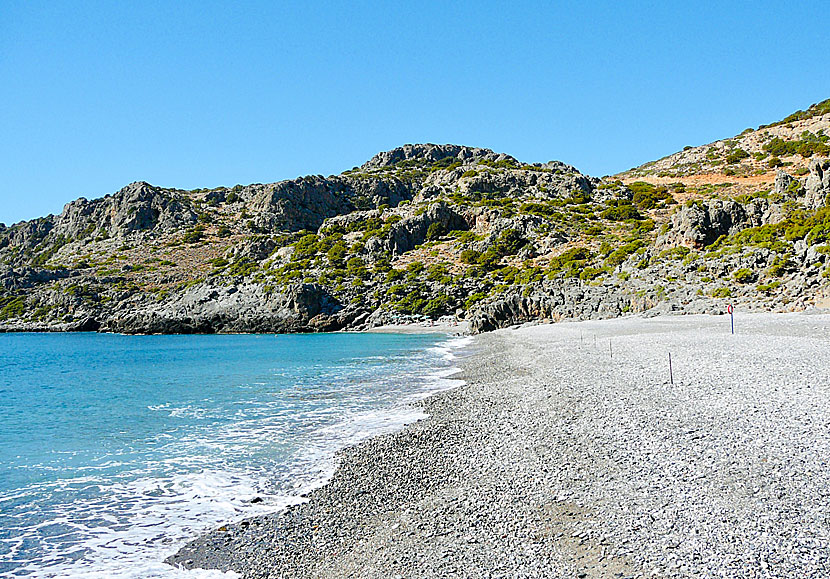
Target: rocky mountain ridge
x=420, y=232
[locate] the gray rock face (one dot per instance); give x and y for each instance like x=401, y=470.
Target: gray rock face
x=254, y=248
x=306, y=202
x=27, y=233
x=28, y=277
x=206, y=308
x=430, y=153
x=817, y=185
x=566, y=299
x=137, y=207
x=786, y=184
x=701, y=224
x=496, y=225
x=560, y=182
x=378, y=191
x=412, y=231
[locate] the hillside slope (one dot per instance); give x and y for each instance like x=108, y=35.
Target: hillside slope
x=429, y=231
x=748, y=161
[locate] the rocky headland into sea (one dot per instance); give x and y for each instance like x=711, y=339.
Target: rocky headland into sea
x=571, y=451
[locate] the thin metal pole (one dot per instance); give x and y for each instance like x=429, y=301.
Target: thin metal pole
x=610, y=350
x=671, y=374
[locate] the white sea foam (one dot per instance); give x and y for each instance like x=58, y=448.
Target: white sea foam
x=128, y=526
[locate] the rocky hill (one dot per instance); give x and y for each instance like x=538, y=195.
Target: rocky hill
x=430, y=231
x=749, y=161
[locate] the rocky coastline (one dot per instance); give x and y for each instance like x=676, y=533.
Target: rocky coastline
x=419, y=233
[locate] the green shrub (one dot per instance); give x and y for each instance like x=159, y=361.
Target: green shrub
x=509, y=243
x=474, y=299
x=808, y=145
x=722, y=292
x=435, y=231
x=644, y=226
x=437, y=306
x=648, y=196
x=815, y=109
x=463, y=236
x=779, y=266
x=503, y=164
x=12, y=307
x=589, y=273
x=540, y=209
x=356, y=267
x=306, y=247
x=337, y=254
x=470, y=256
x=437, y=272
x=194, y=235
x=675, y=253
x=242, y=267
x=490, y=259
x=620, y=210
x=413, y=270
x=570, y=262
x=619, y=255
x=736, y=155
x=394, y=275
x=743, y=275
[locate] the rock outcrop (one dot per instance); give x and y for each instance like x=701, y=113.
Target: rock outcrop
x=429, y=153
x=817, y=185
x=406, y=234
x=137, y=207
x=700, y=224
x=549, y=181
x=306, y=202
x=208, y=308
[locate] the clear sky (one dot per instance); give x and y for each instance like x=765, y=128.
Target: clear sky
x=200, y=94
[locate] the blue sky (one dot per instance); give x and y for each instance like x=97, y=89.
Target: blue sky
x=200, y=94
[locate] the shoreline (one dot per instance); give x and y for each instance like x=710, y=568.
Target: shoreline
x=558, y=458
x=458, y=329
x=433, y=327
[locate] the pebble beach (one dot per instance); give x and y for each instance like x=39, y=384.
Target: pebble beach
x=572, y=450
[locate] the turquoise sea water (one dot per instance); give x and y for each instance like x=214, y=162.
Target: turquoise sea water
x=116, y=449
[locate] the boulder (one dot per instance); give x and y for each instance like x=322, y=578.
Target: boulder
x=700, y=224
x=817, y=185
x=786, y=185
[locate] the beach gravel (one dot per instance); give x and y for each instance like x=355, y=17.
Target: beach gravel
x=572, y=452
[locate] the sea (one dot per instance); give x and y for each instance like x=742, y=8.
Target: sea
x=115, y=450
